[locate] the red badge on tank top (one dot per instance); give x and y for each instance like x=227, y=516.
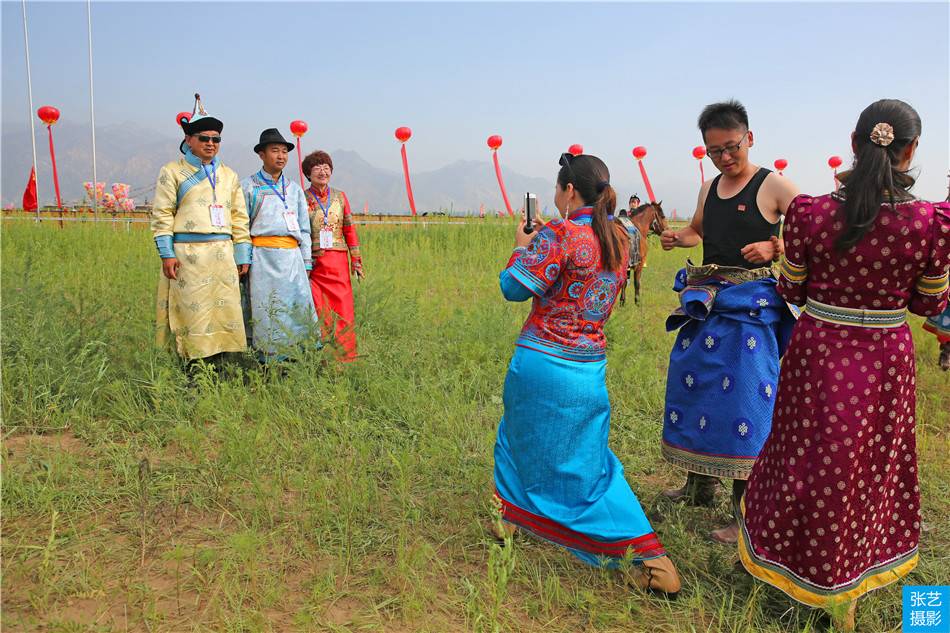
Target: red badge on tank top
x=741, y=207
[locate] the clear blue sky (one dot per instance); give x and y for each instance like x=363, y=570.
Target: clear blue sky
x=609, y=76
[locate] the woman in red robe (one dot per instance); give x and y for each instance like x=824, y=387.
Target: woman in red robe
x=336, y=254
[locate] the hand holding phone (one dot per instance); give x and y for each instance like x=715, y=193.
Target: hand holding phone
x=530, y=211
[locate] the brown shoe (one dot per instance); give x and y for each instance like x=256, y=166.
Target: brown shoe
x=944, y=361
x=699, y=490
x=676, y=494
x=728, y=535
x=655, y=574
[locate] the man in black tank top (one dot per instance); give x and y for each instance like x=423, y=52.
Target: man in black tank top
x=738, y=212
x=737, y=219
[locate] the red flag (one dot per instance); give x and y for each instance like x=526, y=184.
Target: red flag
x=29, y=196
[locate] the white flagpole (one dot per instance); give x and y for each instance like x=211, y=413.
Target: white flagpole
x=92, y=115
x=29, y=86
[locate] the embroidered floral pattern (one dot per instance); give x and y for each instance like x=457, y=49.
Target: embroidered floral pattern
x=574, y=297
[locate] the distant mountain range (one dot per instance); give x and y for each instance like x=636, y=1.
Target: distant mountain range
x=129, y=154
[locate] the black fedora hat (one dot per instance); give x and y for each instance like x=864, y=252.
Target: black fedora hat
x=272, y=135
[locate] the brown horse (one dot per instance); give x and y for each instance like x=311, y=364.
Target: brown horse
x=648, y=218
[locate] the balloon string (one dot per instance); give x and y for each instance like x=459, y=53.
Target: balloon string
x=300, y=161
x=501, y=183
x=52, y=154
x=405, y=170
x=646, y=181
x=702, y=174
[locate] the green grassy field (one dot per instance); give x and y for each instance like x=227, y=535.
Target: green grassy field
x=340, y=498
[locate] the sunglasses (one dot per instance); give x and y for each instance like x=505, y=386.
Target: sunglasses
x=204, y=138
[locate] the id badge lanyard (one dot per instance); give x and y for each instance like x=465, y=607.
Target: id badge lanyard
x=326, y=233
x=290, y=217
x=212, y=180
x=283, y=188
x=216, y=210
x=325, y=209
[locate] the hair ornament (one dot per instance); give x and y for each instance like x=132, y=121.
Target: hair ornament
x=882, y=134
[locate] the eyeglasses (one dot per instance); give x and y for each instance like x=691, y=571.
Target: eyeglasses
x=730, y=149
x=204, y=138
x=320, y=167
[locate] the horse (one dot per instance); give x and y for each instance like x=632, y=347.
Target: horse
x=647, y=218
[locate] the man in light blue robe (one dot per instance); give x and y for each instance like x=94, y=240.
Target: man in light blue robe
x=279, y=305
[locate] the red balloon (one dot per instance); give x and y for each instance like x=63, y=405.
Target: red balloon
x=494, y=141
x=834, y=162
x=298, y=128
x=182, y=116
x=403, y=134
x=48, y=115
x=576, y=149
x=781, y=164
x=639, y=152
x=699, y=152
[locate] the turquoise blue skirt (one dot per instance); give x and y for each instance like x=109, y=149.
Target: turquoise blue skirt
x=555, y=476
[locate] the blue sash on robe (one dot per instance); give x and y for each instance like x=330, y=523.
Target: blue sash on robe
x=196, y=177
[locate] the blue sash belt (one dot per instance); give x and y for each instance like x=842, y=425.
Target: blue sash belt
x=201, y=237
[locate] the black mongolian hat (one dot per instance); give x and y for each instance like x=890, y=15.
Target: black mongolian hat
x=199, y=121
x=272, y=136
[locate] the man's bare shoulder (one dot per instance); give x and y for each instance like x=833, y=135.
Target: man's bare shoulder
x=779, y=184
x=780, y=189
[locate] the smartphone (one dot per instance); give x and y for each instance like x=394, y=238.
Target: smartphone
x=530, y=211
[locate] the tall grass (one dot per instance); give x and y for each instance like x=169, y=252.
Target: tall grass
x=338, y=498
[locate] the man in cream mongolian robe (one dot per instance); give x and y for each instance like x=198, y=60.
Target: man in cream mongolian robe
x=200, y=225
x=281, y=306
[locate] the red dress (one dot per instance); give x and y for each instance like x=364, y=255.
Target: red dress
x=832, y=507
x=330, y=278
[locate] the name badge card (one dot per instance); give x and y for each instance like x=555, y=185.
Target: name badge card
x=326, y=238
x=290, y=218
x=217, y=215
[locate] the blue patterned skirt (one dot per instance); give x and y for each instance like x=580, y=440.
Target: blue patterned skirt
x=723, y=371
x=555, y=476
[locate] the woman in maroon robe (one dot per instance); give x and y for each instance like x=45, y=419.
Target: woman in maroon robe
x=832, y=508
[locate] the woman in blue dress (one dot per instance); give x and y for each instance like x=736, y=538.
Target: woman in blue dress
x=555, y=476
